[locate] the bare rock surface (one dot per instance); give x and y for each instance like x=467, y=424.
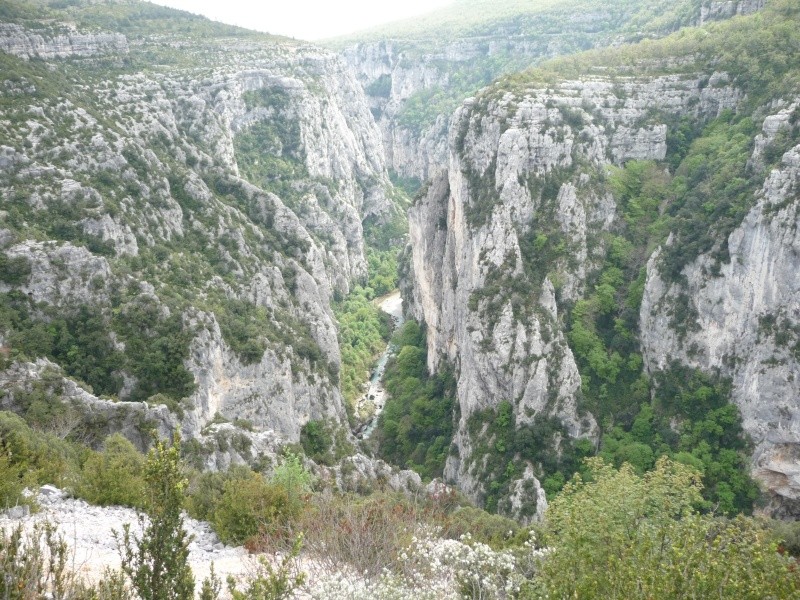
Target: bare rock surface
x=89, y=532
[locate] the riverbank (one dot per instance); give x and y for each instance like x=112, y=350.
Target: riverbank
x=374, y=398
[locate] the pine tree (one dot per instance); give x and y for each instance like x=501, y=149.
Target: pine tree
x=158, y=562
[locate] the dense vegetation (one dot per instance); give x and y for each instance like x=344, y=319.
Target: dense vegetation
x=617, y=534
x=155, y=345
x=364, y=329
x=504, y=446
x=610, y=531
x=415, y=428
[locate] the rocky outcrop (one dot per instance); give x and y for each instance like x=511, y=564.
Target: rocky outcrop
x=58, y=42
x=271, y=394
x=402, y=76
x=83, y=414
x=747, y=325
x=524, y=164
x=715, y=10
x=61, y=274
x=154, y=188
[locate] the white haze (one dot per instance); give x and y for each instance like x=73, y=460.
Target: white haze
x=306, y=19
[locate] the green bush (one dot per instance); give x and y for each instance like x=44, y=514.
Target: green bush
x=115, y=475
x=157, y=563
x=270, y=582
x=206, y=489
x=252, y=507
x=291, y=475
x=325, y=442
x=494, y=530
x=620, y=535
x=34, y=458
x=14, y=271
x=317, y=442
x=11, y=482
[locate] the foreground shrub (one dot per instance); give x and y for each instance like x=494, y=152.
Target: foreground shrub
x=272, y=583
x=33, y=458
x=158, y=562
x=114, y=476
x=206, y=489
x=429, y=568
x=11, y=477
x=36, y=564
x=256, y=511
x=365, y=534
x=249, y=508
x=496, y=531
x=621, y=535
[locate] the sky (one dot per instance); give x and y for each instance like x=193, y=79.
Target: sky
x=306, y=19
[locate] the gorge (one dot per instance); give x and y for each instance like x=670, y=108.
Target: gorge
x=452, y=258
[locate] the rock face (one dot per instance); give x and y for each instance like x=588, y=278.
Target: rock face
x=748, y=321
x=229, y=190
x=83, y=411
x=407, y=76
x=522, y=162
x=724, y=9
x=61, y=42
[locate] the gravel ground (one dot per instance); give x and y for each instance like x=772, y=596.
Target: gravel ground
x=89, y=532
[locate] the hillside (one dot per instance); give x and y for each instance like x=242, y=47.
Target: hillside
x=609, y=261
x=415, y=73
x=586, y=385
x=182, y=203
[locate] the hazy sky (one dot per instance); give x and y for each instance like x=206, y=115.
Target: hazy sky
x=306, y=19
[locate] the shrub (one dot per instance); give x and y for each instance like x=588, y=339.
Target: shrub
x=270, y=583
x=494, y=530
x=35, y=564
x=206, y=489
x=32, y=565
x=35, y=458
x=294, y=477
x=158, y=562
x=114, y=475
x=253, y=508
x=14, y=271
x=365, y=534
x=11, y=486
x=317, y=441
x=621, y=535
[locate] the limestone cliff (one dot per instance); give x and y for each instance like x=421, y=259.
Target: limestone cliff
x=524, y=163
x=747, y=319
x=211, y=187
x=58, y=42
x=415, y=77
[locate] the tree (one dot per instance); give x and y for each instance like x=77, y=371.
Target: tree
x=620, y=535
x=158, y=562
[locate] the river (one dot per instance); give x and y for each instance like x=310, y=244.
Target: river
x=375, y=396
